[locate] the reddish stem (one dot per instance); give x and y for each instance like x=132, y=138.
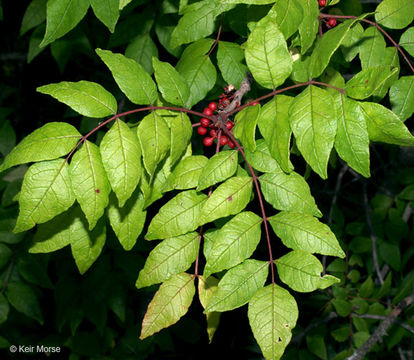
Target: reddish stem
x=259, y=196
x=217, y=38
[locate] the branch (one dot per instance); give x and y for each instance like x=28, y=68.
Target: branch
x=380, y=331
x=383, y=317
x=238, y=95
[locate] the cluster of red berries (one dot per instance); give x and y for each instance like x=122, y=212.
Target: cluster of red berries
x=205, y=125
x=331, y=22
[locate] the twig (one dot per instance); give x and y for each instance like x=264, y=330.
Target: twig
x=380, y=331
x=383, y=317
x=238, y=95
x=373, y=237
x=217, y=38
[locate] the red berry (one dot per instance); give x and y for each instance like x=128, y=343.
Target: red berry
x=202, y=130
x=255, y=103
x=231, y=144
x=208, y=141
x=223, y=140
x=213, y=133
x=212, y=106
x=207, y=111
x=229, y=125
x=205, y=122
x=332, y=22
x=322, y=3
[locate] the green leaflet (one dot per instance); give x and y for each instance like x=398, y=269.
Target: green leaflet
x=395, y=14
x=352, y=140
x=55, y=234
x=253, y=2
x=131, y=78
x=273, y=124
x=267, y=55
x=5, y=308
x=34, y=15
x=304, y=232
x=169, y=304
x=367, y=81
x=261, y=159
x=187, y=173
x=46, y=192
x=407, y=40
x=238, y=285
x=178, y=216
x=164, y=27
x=229, y=198
x=24, y=299
x=121, y=153
x=371, y=48
x=171, y=256
x=87, y=246
x=245, y=126
x=309, y=25
x=123, y=3
x=314, y=125
x=351, y=44
x=127, y=222
x=327, y=46
x=49, y=142
x=209, y=238
x=402, y=97
x=289, y=15
x=142, y=49
x=230, y=58
x=198, y=22
x=61, y=17
x=89, y=181
x=288, y=192
x=301, y=271
x=172, y=85
x=154, y=137
x=390, y=57
x=107, y=11
x=198, y=70
x=206, y=289
x=85, y=97
x=181, y=132
x=235, y=242
x=385, y=126
x=7, y=139
x=218, y=168
x=272, y=313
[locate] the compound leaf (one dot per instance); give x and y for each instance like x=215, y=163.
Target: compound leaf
x=198, y=70
x=85, y=97
x=267, y=55
x=305, y=232
x=131, y=77
x=171, y=256
x=169, y=304
x=178, y=216
x=301, y=271
x=272, y=313
x=49, y=142
x=154, y=137
x=121, y=153
x=218, y=168
x=385, y=126
x=245, y=126
x=46, y=192
x=402, y=97
x=235, y=242
x=288, y=192
x=61, y=17
x=314, y=125
x=90, y=183
x=172, y=85
x=352, y=140
x=128, y=221
x=273, y=124
x=229, y=198
x=238, y=285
